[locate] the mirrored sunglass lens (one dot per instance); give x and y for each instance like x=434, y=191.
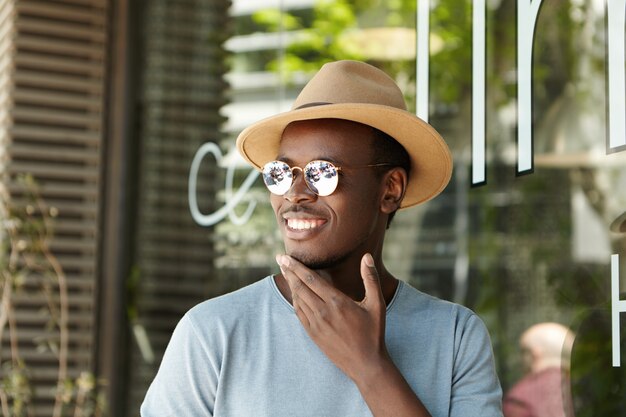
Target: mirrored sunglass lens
x=322, y=177
x=277, y=177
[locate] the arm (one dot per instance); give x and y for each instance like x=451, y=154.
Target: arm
x=475, y=387
x=352, y=335
x=181, y=386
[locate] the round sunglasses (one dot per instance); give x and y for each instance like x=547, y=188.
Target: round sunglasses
x=320, y=176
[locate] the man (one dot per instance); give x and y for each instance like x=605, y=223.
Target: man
x=334, y=334
x=544, y=390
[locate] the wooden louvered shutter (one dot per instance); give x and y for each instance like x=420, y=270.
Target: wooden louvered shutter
x=180, y=97
x=52, y=69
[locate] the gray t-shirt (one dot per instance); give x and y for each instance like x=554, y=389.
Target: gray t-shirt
x=246, y=354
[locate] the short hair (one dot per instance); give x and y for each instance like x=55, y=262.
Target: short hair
x=387, y=150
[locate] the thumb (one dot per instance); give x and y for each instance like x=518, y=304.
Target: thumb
x=373, y=293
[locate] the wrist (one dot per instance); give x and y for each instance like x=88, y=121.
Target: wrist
x=374, y=371
x=387, y=393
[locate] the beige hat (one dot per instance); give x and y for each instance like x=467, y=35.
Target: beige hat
x=359, y=92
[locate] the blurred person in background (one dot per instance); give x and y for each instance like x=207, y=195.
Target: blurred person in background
x=544, y=390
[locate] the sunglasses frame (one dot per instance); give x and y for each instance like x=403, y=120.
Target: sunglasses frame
x=310, y=186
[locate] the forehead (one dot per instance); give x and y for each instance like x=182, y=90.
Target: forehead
x=332, y=139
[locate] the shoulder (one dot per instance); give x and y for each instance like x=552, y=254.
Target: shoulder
x=454, y=345
x=534, y=384
x=247, y=296
x=229, y=309
x=450, y=323
x=411, y=301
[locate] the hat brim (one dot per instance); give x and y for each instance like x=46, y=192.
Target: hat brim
x=431, y=162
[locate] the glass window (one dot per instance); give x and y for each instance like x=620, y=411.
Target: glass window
x=519, y=249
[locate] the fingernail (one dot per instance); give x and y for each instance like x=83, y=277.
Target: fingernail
x=369, y=261
x=282, y=260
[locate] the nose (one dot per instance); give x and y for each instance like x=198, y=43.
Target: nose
x=299, y=191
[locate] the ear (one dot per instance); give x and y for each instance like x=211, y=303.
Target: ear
x=394, y=184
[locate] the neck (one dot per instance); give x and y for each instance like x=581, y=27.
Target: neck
x=346, y=277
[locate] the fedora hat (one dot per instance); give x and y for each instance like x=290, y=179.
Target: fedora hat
x=359, y=92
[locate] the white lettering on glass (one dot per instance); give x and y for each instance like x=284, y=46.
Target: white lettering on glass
x=527, y=11
x=617, y=306
x=422, y=59
x=479, y=28
x=232, y=200
x=616, y=74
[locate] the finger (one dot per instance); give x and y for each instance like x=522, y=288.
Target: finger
x=318, y=285
x=298, y=287
x=371, y=281
x=303, y=312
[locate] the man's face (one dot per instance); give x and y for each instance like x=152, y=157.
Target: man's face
x=322, y=231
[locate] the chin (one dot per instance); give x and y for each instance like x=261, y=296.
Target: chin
x=316, y=262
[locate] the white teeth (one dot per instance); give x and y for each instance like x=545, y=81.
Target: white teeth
x=298, y=224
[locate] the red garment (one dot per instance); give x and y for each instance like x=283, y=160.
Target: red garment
x=539, y=394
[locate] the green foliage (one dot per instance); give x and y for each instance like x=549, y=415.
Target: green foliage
x=274, y=20
x=315, y=43
x=321, y=40
x=15, y=389
x=452, y=27
x=25, y=236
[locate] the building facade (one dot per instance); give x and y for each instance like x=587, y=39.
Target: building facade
x=117, y=128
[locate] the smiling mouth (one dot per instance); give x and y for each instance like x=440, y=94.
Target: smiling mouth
x=304, y=224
